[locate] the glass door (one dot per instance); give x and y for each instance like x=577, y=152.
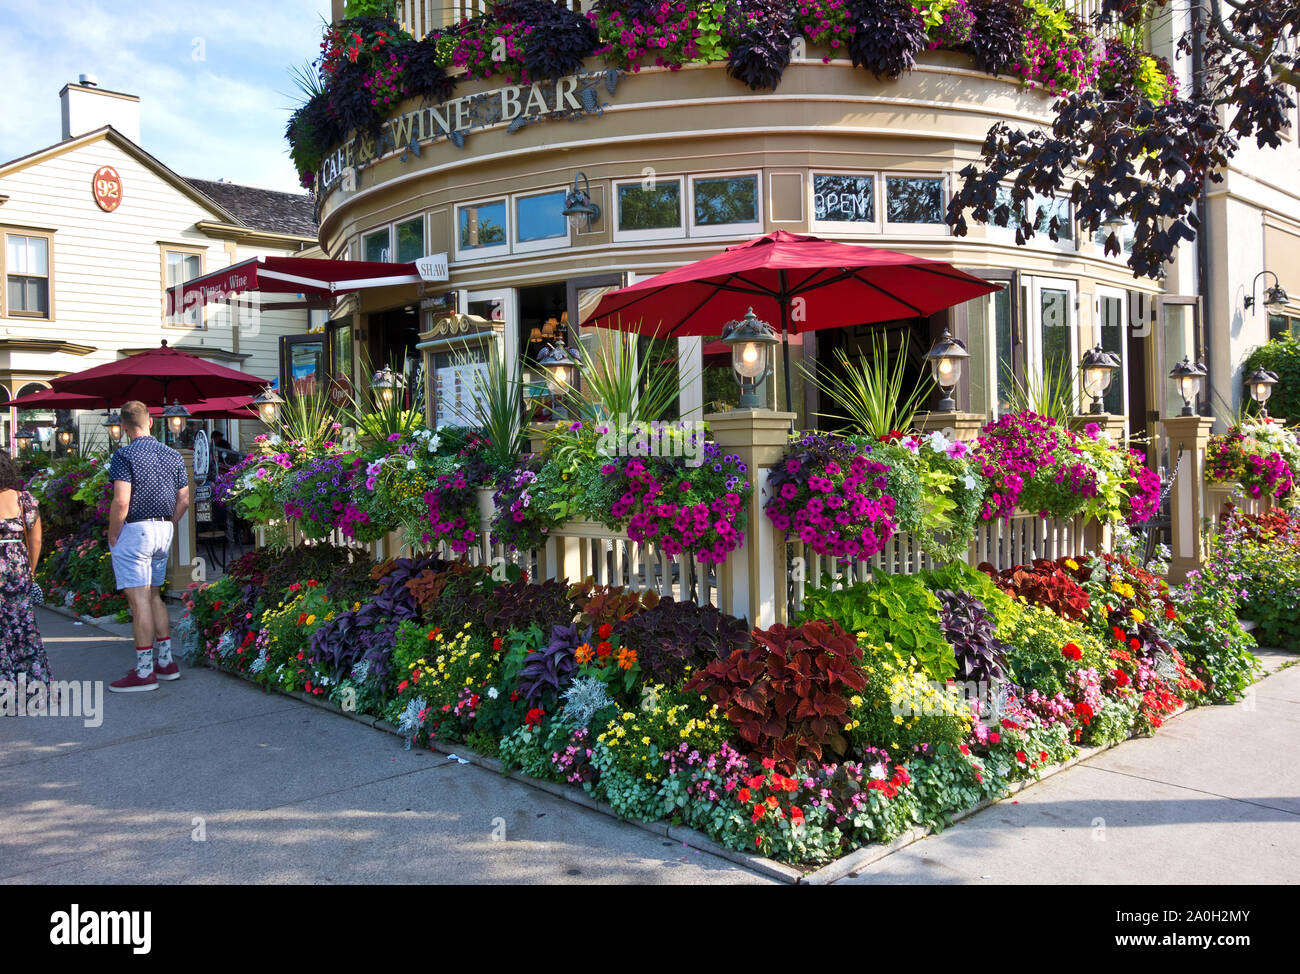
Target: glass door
x=1053, y=323
x=1113, y=333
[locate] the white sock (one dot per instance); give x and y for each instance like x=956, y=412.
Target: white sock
x=143, y=662
x=164, y=649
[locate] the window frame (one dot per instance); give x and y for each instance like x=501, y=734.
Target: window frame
x=939, y=229
x=492, y=250
x=545, y=243
x=665, y=233
x=1007, y=235
x=748, y=229
x=189, y=250
x=420, y=218
x=386, y=228
x=847, y=227
x=48, y=236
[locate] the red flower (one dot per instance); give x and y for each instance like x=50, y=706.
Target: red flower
x=312, y=583
x=1071, y=651
x=1135, y=644
x=963, y=748
x=1084, y=711
x=603, y=649
x=1121, y=678
x=605, y=631
x=743, y=796
x=1020, y=756
x=759, y=810
x=995, y=738
x=1042, y=755
x=1118, y=632
x=768, y=763
x=534, y=716
x=796, y=816
x=496, y=644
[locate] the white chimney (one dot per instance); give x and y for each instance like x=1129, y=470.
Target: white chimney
x=86, y=107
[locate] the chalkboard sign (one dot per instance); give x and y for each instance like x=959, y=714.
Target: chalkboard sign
x=844, y=199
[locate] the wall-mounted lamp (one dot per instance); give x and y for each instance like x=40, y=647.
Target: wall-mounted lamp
x=560, y=365
x=176, y=416
x=113, y=426
x=578, y=207
x=1275, y=297
x=386, y=383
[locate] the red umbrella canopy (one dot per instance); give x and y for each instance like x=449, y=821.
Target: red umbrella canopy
x=794, y=282
x=55, y=399
x=160, y=375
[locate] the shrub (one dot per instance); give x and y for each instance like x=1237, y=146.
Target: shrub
x=895, y=609
x=671, y=638
x=786, y=693
x=1281, y=356
x=760, y=33
x=1263, y=567
x=320, y=561
x=997, y=42
x=902, y=707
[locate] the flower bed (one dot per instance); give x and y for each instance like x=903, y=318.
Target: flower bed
x=1261, y=456
x=888, y=705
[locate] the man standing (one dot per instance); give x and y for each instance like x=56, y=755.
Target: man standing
x=151, y=493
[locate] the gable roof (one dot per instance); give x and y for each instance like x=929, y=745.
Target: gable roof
x=110, y=134
x=263, y=209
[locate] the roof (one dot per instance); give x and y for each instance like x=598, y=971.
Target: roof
x=262, y=209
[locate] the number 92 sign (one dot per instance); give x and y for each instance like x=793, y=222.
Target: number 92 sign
x=107, y=186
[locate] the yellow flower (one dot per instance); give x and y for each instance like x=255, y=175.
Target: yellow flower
x=1071, y=564
x=1138, y=616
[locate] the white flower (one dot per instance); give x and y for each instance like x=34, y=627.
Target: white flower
x=1103, y=437
x=493, y=693
x=1102, y=478
x=938, y=442
x=435, y=441
x=879, y=772
x=410, y=464
x=969, y=481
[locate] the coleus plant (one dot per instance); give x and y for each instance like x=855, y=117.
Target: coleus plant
x=1048, y=583
x=968, y=626
x=786, y=694
x=673, y=638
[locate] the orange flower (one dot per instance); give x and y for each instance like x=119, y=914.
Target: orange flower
x=743, y=796
x=584, y=653
x=626, y=659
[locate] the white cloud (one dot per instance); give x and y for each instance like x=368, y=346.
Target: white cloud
x=213, y=78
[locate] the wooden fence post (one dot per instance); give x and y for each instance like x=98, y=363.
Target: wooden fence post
x=1188, y=438
x=757, y=571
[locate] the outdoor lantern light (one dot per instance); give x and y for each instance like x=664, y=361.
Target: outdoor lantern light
x=1098, y=367
x=945, y=358
x=386, y=382
x=65, y=436
x=113, y=425
x=268, y=405
x=24, y=438
x=1260, y=385
x=176, y=416
x=751, y=342
x=1187, y=377
x=560, y=365
x=1275, y=297
x=578, y=207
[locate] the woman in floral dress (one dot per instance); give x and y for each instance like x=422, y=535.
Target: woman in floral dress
x=21, y=650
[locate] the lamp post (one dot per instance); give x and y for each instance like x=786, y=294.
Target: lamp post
x=560, y=366
x=268, y=405
x=1187, y=377
x=1098, y=367
x=751, y=342
x=1260, y=385
x=385, y=384
x=1275, y=297
x=945, y=358
x=113, y=426
x=176, y=416
x=578, y=207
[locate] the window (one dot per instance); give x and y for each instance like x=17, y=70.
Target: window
x=1123, y=236
x=180, y=266
x=410, y=240
x=540, y=221
x=1112, y=323
x=481, y=229
x=648, y=210
x=845, y=201
x=375, y=246
x=916, y=201
x=27, y=275
x=1279, y=325
x=725, y=205
x=1043, y=209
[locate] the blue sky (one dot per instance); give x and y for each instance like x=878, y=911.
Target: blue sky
x=213, y=78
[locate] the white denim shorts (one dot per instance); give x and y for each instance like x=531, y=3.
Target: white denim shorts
x=140, y=555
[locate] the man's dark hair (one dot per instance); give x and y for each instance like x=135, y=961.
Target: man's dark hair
x=10, y=476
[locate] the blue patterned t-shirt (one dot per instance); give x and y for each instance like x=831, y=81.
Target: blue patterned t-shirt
x=155, y=473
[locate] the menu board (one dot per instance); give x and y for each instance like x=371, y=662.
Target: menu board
x=456, y=388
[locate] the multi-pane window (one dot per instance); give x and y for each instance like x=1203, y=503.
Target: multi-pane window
x=27, y=275
x=181, y=266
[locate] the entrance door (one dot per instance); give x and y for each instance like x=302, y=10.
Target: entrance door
x=1053, y=324
x=1114, y=336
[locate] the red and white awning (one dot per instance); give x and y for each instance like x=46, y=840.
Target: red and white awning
x=308, y=276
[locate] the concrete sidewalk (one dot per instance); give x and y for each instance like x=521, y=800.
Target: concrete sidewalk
x=210, y=780
x=1213, y=797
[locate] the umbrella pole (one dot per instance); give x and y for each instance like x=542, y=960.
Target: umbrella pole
x=785, y=352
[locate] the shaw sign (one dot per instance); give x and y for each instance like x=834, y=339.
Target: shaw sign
x=573, y=96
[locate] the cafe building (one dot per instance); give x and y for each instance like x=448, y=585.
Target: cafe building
x=670, y=166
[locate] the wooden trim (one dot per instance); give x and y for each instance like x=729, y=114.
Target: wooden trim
x=287, y=241
x=48, y=236
x=50, y=345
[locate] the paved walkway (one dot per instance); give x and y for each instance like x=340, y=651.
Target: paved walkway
x=282, y=792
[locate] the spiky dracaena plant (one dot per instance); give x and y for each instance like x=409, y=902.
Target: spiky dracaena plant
x=617, y=381
x=872, y=393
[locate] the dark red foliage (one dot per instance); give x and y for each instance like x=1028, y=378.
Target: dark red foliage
x=1051, y=584
x=786, y=693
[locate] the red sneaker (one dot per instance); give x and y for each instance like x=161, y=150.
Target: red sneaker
x=171, y=671
x=133, y=682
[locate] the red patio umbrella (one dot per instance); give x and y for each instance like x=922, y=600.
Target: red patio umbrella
x=794, y=281
x=159, y=376
x=55, y=399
